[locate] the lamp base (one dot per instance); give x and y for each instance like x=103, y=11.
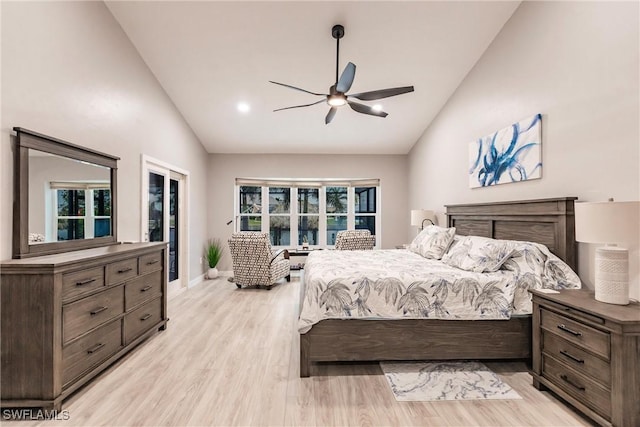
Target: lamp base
x=612, y=275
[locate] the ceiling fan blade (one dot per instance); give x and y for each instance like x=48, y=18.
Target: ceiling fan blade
x=365, y=109
x=300, y=106
x=330, y=115
x=382, y=93
x=346, y=79
x=297, y=88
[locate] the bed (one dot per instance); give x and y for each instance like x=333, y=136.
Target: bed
x=547, y=221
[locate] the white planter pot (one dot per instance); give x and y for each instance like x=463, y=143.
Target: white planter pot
x=212, y=273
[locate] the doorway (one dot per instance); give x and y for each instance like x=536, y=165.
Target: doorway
x=164, y=217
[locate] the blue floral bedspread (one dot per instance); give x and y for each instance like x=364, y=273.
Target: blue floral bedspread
x=399, y=284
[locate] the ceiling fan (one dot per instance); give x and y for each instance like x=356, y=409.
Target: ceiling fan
x=338, y=96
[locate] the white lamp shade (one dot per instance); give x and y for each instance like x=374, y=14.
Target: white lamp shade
x=419, y=215
x=607, y=222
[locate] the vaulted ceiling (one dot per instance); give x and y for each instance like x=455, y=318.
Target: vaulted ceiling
x=211, y=56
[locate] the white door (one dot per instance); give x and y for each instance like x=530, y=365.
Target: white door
x=164, y=217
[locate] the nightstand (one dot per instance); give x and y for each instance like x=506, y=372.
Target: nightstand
x=588, y=352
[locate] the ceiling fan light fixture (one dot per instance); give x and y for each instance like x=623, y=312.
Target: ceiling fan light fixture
x=337, y=96
x=336, y=100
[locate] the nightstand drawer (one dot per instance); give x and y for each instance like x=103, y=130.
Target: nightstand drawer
x=577, y=358
x=88, y=351
x=82, y=282
x=87, y=313
x=578, y=386
x=582, y=335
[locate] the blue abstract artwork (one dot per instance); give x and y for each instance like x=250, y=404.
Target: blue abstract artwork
x=512, y=154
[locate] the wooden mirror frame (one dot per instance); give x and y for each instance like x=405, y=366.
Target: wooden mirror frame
x=27, y=139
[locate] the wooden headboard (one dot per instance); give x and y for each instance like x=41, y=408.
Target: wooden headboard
x=546, y=221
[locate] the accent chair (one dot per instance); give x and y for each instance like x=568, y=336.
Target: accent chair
x=354, y=240
x=254, y=262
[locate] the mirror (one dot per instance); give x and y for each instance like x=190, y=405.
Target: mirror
x=64, y=198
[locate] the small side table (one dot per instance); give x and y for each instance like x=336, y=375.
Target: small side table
x=587, y=351
x=299, y=253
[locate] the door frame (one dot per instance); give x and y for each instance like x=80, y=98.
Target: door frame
x=150, y=164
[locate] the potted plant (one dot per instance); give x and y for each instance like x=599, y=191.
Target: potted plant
x=213, y=253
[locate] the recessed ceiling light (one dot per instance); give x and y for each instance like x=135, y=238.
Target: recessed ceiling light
x=243, y=107
x=377, y=107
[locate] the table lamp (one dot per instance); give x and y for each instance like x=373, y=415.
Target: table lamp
x=419, y=216
x=609, y=223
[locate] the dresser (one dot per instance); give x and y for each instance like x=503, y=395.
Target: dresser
x=588, y=353
x=67, y=317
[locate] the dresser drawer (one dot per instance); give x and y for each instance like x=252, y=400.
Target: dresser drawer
x=82, y=282
x=151, y=262
x=142, y=289
x=577, y=358
x=582, y=335
x=121, y=271
x=87, y=313
x=578, y=386
x=142, y=319
x=90, y=350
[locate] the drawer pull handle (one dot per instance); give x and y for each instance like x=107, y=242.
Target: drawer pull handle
x=85, y=282
x=571, y=383
x=153, y=262
x=98, y=310
x=125, y=270
x=570, y=356
x=571, y=331
x=146, y=288
x=145, y=317
x=95, y=348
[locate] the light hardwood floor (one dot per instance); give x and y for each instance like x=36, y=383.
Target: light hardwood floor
x=230, y=357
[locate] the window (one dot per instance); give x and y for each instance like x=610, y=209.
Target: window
x=307, y=212
x=71, y=211
x=365, y=208
x=101, y=213
x=308, y=215
x=250, y=208
x=336, y=209
x=81, y=212
x=280, y=216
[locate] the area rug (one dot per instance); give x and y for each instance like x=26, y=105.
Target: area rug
x=426, y=381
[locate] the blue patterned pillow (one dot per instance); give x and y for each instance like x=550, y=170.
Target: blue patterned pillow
x=479, y=254
x=432, y=242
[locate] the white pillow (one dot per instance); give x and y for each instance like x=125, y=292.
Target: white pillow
x=479, y=254
x=432, y=242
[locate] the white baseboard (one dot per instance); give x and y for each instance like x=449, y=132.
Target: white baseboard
x=172, y=293
x=196, y=281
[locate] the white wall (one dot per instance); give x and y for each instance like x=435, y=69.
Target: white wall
x=577, y=63
x=69, y=71
x=225, y=168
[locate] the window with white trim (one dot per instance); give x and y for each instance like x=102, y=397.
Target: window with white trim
x=307, y=211
x=81, y=210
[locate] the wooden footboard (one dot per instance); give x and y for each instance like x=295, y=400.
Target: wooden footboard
x=374, y=340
